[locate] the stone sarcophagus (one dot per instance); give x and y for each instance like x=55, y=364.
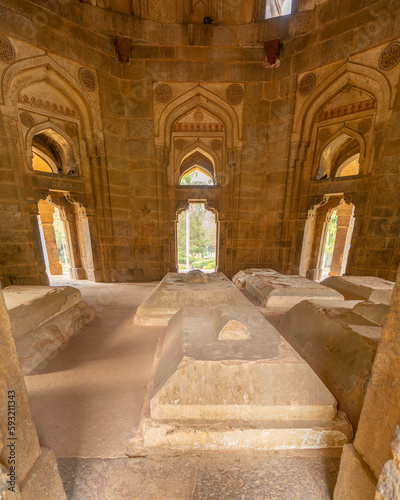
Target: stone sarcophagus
x=225, y=378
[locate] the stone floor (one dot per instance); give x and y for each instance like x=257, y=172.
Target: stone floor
x=206, y=475
x=86, y=402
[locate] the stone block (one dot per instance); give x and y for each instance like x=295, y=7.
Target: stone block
x=195, y=400
x=375, y=313
x=43, y=318
x=240, y=278
x=388, y=487
x=338, y=344
x=355, y=480
x=286, y=291
x=174, y=292
x=361, y=288
x=43, y=480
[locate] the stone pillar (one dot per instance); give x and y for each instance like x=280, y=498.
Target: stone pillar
x=89, y=231
x=46, y=212
x=76, y=270
x=362, y=462
x=345, y=225
x=31, y=470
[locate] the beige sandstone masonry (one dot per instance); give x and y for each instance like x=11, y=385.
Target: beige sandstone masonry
x=362, y=288
x=246, y=392
x=36, y=473
x=272, y=289
x=43, y=318
x=379, y=416
x=338, y=344
x=178, y=290
x=125, y=132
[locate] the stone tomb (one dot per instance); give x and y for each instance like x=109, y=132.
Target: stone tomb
x=339, y=341
x=195, y=289
x=224, y=378
x=272, y=289
x=43, y=318
x=362, y=288
x=240, y=278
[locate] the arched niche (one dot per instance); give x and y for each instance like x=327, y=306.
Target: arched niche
x=333, y=156
x=197, y=157
x=44, y=70
x=71, y=118
x=203, y=99
x=51, y=143
x=348, y=75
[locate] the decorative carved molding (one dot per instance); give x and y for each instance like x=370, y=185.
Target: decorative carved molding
x=163, y=93
x=356, y=107
x=87, y=79
x=198, y=127
x=390, y=56
x=47, y=106
x=7, y=53
x=234, y=94
x=307, y=84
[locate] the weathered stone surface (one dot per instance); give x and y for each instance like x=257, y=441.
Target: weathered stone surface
x=31, y=306
x=18, y=430
x=227, y=324
x=175, y=292
x=44, y=480
x=240, y=278
x=381, y=410
x=355, y=481
x=286, y=291
x=196, y=400
x=362, y=288
x=388, y=487
x=43, y=318
x=338, y=344
x=376, y=313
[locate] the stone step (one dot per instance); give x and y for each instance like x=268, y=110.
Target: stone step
x=274, y=435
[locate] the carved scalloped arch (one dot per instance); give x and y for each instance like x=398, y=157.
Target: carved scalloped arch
x=28, y=72
x=343, y=130
x=198, y=97
x=41, y=127
x=366, y=79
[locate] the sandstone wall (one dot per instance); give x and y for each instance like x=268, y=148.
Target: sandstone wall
x=124, y=193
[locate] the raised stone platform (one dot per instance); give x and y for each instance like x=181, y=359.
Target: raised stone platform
x=249, y=391
x=339, y=344
x=280, y=291
x=178, y=290
x=43, y=318
x=361, y=288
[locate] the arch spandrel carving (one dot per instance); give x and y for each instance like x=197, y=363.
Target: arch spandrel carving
x=46, y=71
x=198, y=97
x=367, y=79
